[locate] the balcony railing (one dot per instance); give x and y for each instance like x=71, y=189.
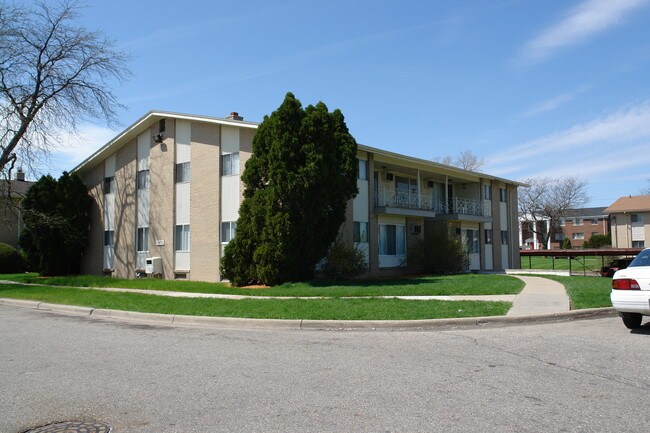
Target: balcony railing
x=410, y=200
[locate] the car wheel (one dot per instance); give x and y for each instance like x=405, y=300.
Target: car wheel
x=631, y=320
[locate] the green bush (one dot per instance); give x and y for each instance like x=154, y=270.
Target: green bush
x=438, y=253
x=598, y=241
x=344, y=261
x=566, y=244
x=11, y=261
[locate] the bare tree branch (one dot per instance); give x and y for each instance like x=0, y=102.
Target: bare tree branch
x=467, y=160
x=547, y=200
x=54, y=73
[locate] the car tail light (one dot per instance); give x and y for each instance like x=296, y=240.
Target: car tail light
x=625, y=284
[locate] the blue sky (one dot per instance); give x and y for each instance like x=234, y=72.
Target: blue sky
x=537, y=88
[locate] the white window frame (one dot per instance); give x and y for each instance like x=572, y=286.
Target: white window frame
x=109, y=238
x=360, y=231
x=578, y=236
x=182, y=172
x=228, y=230
x=109, y=184
x=400, y=250
x=230, y=164
x=362, y=169
x=182, y=237
x=143, y=179
x=142, y=239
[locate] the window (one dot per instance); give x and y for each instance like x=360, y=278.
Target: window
x=143, y=179
x=504, y=237
x=578, y=236
x=559, y=236
x=594, y=221
x=634, y=218
x=142, y=239
x=182, y=172
x=562, y=222
x=161, y=126
x=473, y=245
x=360, y=232
x=502, y=195
x=362, y=170
x=228, y=229
x=230, y=164
x=487, y=192
x=109, y=238
x=109, y=185
x=182, y=238
x=594, y=233
x=577, y=222
x=392, y=240
x=638, y=244
x=488, y=236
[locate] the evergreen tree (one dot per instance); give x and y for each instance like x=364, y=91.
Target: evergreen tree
x=297, y=185
x=56, y=223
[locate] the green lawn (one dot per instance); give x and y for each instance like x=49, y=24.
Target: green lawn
x=590, y=263
x=466, y=284
x=321, y=309
x=586, y=292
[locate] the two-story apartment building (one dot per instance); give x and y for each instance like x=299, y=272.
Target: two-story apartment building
x=578, y=225
x=169, y=186
x=630, y=220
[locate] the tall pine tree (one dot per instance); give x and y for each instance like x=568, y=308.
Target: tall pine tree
x=297, y=185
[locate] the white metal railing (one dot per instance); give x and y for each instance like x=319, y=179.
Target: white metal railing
x=460, y=205
x=403, y=199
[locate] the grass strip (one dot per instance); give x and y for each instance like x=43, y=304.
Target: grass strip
x=322, y=309
x=586, y=292
x=466, y=284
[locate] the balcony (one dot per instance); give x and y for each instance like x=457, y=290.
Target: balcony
x=396, y=202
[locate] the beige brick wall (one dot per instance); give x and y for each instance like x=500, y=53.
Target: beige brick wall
x=125, y=210
x=496, y=226
x=204, y=198
x=93, y=257
x=161, y=198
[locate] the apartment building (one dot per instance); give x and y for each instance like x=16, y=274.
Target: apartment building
x=630, y=220
x=169, y=186
x=578, y=225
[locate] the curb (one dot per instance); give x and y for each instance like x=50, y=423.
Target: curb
x=234, y=322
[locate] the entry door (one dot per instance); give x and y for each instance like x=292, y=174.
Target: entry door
x=471, y=239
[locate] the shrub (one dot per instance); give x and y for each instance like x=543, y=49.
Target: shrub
x=11, y=261
x=344, y=261
x=438, y=253
x=566, y=244
x=598, y=241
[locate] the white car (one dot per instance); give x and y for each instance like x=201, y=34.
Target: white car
x=631, y=290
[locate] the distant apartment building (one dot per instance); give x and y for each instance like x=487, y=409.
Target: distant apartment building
x=11, y=195
x=630, y=221
x=169, y=186
x=578, y=225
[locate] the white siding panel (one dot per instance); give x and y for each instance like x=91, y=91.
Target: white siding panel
x=489, y=261
x=144, y=148
x=141, y=259
x=182, y=261
x=109, y=212
x=229, y=139
x=360, y=202
x=109, y=166
x=503, y=220
x=183, y=137
x=230, y=198
x=182, y=203
x=109, y=257
x=504, y=257
x=143, y=208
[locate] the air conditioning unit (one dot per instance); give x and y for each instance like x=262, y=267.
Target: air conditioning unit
x=153, y=266
x=389, y=177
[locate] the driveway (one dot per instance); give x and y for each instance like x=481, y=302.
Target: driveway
x=588, y=375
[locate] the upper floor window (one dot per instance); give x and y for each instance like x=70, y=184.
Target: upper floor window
x=362, y=169
x=562, y=222
x=182, y=172
x=502, y=195
x=594, y=221
x=634, y=218
x=109, y=185
x=143, y=179
x=504, y=237
x=638, y=244
x=488, y=236
x=577, y=222
x=230, y=164
x=487, y=192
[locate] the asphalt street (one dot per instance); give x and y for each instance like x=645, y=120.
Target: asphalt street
x=581, y=376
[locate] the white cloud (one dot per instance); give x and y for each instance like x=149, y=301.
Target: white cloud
x=75, y=148
x=554, y=102
x=609, y=133
x=584, y=21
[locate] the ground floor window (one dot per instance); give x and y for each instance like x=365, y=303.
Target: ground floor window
x=360, y=231
x=392, y=240
x=473, y=244
x=578, y=236
x=182, y=238
x=109, y=238
x=142, y=241
x=228, y=229
x=638, y=244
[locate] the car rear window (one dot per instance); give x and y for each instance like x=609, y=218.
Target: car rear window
x=643, y=259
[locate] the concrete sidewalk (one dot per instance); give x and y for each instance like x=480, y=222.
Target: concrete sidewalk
x=539, y=296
